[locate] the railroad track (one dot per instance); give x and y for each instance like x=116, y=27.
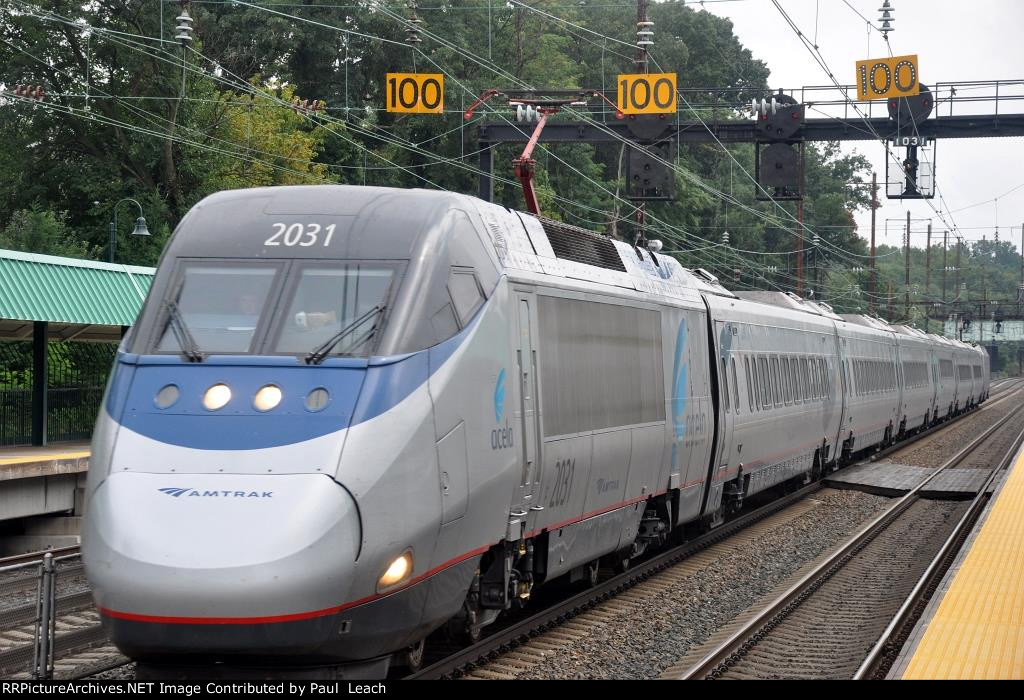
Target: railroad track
x=820, y=625
x=473, y=660
x=80, y=645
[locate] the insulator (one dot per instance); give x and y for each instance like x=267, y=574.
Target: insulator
x=645, y=43
x=412, y=34
x=645, y=24
x=526, y=113
x=725, y=238
x=183, y=17
x=641, y=35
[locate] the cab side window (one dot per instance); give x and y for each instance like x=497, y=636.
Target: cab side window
x=466, y=294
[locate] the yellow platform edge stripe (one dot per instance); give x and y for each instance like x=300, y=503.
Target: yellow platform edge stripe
x=977, y=631
x=43, y=457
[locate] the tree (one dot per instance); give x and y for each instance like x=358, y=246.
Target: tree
x=37, y=230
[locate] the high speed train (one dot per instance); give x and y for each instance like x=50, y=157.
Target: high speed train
x=349, y=416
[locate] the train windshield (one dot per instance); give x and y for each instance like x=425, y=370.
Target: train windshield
x=220, y=307
x=311, y=309
x=335, y=310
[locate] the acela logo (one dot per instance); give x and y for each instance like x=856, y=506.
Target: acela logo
x=191, y=492
x=501, y=437
x=499, y=397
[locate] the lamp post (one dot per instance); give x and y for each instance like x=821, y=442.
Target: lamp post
x=140, y=226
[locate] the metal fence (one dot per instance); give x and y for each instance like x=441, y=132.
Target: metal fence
x=15, y=393
x=76, y=374
x=46, y=613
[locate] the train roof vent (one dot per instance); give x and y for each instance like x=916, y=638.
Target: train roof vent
x=705, y=275
x=583, y=246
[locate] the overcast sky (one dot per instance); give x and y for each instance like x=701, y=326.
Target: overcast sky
x=954, y=41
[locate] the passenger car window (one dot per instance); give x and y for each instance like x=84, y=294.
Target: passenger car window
x=766, y=400
x=750, y=385
x=776, y=382
x=725, y=385
x=735, y=385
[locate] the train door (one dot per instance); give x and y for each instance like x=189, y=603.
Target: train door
x=933, y=365
x=525, y=503
x=845, y=386
x=724, y=337
x=899, y=352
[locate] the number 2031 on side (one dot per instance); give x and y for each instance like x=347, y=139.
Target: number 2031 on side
x=304, y=235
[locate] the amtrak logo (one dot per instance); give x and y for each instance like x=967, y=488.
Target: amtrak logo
x=499, y=397
x=195, y=493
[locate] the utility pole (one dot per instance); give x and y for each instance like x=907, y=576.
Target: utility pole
x=871, y=276
x=906, y=273
x=644, y=39
x=959, y=249
x=800, y=248
x=927, y=275
x=945, y=266
x=888, y=298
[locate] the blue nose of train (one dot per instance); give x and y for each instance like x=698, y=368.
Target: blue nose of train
x=162, y=399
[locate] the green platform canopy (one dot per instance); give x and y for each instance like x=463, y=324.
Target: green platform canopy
x=45, y=298
x=79, y=299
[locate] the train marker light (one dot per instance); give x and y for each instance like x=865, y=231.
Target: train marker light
x=167, y=396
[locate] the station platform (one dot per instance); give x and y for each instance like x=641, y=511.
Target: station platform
x=973, y=628
x=25, y=462
x=42, y=487
x=894, y=479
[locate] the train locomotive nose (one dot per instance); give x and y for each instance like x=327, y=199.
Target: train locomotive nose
x=236, y=560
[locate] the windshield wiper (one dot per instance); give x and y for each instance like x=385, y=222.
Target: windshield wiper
x=318, y=354
x=186, y=342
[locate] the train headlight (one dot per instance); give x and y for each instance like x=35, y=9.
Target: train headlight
x=267, y=397
x=216, y=397
x=397, y=572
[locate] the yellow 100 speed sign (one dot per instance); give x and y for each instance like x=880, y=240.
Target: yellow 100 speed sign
x=882, y=78
x=415, y=93
x=647, y=93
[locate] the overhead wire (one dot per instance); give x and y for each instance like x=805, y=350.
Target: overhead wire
x=406, y=145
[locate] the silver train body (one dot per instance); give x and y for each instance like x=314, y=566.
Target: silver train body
x=530, y=399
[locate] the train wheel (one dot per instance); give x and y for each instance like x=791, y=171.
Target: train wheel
x=411, y=658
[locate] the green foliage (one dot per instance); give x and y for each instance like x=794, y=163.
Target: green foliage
x=146, y=133
x=37, y=231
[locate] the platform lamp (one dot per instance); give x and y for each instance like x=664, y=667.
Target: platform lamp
x=139, y=230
